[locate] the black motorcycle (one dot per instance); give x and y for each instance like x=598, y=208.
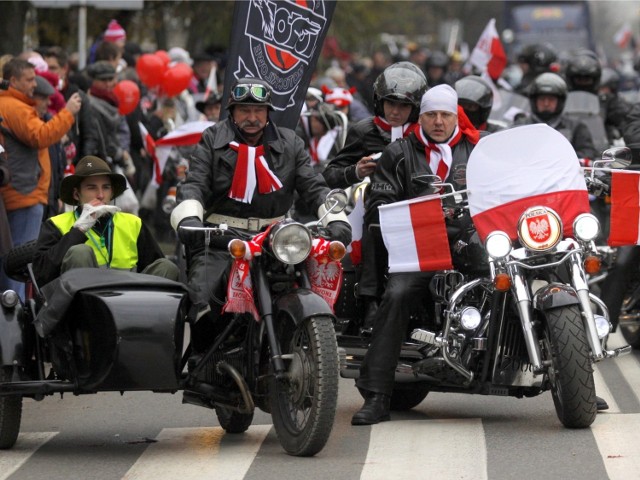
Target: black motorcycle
x=101, y=330
x=513, y=318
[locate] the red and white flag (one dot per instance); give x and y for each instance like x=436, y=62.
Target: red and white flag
x=356, y=220
x=522, y=167
x=150, y=147
x=415, y=235
x=488, y=55
x=623, y=36
x=625, y=209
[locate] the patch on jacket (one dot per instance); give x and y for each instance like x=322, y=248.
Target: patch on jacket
x=382, y=187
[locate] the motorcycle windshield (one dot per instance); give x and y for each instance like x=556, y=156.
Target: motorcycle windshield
x=512, y=170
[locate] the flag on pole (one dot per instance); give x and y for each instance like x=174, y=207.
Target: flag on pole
x=150, y=147
x=522, y=167
x=625, y=209
x=623, y=36
x=488, y=55
x=212, y=82
x=279, y=42
x=415, y=235
x=356, y=220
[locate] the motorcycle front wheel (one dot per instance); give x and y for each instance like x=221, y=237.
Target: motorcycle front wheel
x=571, y=372
x=10, y=414
x=303, y=403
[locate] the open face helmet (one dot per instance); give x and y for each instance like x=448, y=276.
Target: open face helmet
x=250, y=91
x=548, y=84
x=401, y=82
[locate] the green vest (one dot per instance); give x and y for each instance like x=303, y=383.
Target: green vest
x=124, y=238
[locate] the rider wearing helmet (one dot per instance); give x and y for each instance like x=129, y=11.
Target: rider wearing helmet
x=397, y=92
x=615, y=108
x=218, y=189
x=436, y=68
x=547, y=97
x=534, y=60
x=476, y=99
x=583, y=72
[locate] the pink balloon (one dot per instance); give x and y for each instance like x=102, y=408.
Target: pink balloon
x=176, y=79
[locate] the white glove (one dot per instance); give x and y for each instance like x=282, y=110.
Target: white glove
x=90, y=215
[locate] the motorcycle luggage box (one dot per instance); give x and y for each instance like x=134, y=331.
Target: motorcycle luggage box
x=126, y=328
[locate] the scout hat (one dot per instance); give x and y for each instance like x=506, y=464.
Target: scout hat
x=90, y=166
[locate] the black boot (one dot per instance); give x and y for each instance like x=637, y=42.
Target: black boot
x=601, y=404
x=370, y=309
x=374, y=410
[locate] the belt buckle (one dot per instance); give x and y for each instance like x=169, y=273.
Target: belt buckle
x=251, y=221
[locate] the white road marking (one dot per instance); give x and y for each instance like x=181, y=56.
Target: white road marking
x=617, y=439
x=194, y=453
x=394, y=446
x=27, y=444
x=602, y=390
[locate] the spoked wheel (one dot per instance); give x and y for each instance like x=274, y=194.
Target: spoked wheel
x=232, y=421
x=407, y=396
x=303, y=404
x=571, y=372
x=10, y=414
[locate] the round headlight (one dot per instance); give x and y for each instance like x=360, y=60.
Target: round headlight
x=470, y=318
x=498, y=244
x=603, y=327
x=9, y=299
x=290, y=243
x=586, y=227
x=539, y=228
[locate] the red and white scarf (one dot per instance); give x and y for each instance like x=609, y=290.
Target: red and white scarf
x=396, y=132
x=439, y=155
x=320, y=149
x=251, y=169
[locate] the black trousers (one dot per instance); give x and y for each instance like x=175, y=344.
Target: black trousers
x=401, y=296
x=374, y=265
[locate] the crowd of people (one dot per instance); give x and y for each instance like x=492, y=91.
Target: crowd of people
x=71, y=151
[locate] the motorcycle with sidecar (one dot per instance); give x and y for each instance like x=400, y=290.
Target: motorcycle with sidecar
x=98, y=330
x=514, y=316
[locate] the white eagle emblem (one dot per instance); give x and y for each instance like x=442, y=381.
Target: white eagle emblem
x=539, y=229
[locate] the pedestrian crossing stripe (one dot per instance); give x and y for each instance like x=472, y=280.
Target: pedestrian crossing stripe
x=27, y=444
x=617, y=439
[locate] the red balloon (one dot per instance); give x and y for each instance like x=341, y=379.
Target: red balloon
x=128, y=95
x=176, y=79
x=164, y=56
x=150, y=68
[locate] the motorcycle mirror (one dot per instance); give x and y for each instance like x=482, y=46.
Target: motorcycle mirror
x=336, y=200
x=617, y=157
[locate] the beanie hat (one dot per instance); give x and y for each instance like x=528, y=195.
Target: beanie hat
x=441, y=97
x=114, y=32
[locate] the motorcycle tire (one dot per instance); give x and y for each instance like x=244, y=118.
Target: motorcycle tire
x=303, y=404
x=233, y=422
x=571, y=372
x=10, y=414
x=17, y=260
x=406, y=396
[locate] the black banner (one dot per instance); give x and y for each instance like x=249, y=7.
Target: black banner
x=279, y=42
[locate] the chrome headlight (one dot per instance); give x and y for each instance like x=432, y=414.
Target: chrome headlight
x=290, y=242
x=539, y=229
x=498, y=244
x=586, y=227
x=603, y=327
x=470, y=318
x=9, y=299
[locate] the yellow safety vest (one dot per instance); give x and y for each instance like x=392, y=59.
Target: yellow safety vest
x=124, y=238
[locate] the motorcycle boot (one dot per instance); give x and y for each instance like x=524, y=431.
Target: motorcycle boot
x=375, y=410
x=601, y=404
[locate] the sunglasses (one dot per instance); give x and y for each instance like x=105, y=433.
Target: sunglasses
x=259, y=93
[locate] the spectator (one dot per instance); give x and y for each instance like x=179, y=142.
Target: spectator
x=211, y=107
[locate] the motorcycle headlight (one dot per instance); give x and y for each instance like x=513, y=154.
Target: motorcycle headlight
x=498, y=244
x=470, y=318
x=539, y=229
x=290, y=242
x=603, y=327
x=586, y=227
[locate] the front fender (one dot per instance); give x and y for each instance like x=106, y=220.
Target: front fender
x=303, y=303
x=12, y=336
x=555, y=295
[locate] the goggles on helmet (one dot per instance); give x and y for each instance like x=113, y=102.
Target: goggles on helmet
x=258, y=92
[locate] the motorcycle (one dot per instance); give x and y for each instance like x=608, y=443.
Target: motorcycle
x=95, y=331
x=515, y=316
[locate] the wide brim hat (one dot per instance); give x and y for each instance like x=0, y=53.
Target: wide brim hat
x=90, y=166
x=212, y=99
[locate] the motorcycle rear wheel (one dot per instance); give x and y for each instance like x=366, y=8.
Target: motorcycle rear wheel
x=232, y=421
x=10, y=415
x=303, y=405
x=571, y=373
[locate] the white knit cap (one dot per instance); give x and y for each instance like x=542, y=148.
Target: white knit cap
x=440, y=97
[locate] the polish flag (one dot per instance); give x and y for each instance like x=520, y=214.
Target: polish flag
x=150, y=147
x=488, y=55
x=623, y=36
x=522, y=167
x=415, y=235
x=625, y=209
x=356, y=220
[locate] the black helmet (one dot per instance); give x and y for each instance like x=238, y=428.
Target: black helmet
x=437, y=59
x=548, y=84
x=400, y=82
x=538, y=56
x=473, y=89
x=583, y=72
x=250, y=91
x=610, y=78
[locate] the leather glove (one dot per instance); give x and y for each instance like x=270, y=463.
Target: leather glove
x=90, y=215
x=192, y=239
x=340, y=231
